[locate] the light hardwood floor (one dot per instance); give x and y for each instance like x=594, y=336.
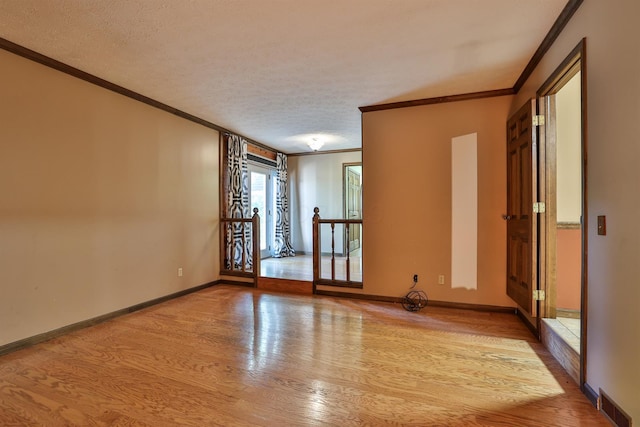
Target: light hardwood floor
x=234, y=356
x=300, y=267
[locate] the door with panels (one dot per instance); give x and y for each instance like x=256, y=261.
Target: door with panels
x=520, y=217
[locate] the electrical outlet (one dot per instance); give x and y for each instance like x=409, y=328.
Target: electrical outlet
x=180, y=272
x=415, y=277
x=441, y=279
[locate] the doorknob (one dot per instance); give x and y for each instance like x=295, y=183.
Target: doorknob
x=506, y=217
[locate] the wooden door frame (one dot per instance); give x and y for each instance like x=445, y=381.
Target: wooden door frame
x=345, y=212
x=575, y=61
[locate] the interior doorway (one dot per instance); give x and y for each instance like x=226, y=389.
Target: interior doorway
x=262, y=196
x=562, y=104
x=547, y=216
x=564, y=160
x=352, y=183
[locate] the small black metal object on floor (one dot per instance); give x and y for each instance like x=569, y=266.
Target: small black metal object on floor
x=415, y=300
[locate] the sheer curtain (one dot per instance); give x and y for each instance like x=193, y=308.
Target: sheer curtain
x=282, y=246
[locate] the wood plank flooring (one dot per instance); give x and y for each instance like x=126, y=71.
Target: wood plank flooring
x=300, y=267
x=235, y=356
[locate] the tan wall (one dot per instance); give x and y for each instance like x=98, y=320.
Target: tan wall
x=568, y=268
x=407, y=199
x=613, y=86
x=102, y=199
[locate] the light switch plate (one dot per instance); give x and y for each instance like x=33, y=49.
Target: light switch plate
x=602, y=225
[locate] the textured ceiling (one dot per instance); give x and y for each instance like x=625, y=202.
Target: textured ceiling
x=273, y=70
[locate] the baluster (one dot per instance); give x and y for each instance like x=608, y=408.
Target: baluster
x=244, y=249
x=333, y=251
x=233, y=246
x=348, y=228
x=316, y=247
x=255, y=234
x=224, y=248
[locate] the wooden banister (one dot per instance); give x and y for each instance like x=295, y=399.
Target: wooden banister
x=316, y=247
x=228, y=251
x=317, y=255
x=255, y=224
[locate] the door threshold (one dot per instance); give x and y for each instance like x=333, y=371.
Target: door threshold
x=563, y=345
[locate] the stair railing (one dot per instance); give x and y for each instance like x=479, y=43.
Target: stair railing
x=240, y=246
x=318, y=256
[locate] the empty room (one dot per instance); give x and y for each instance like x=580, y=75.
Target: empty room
x=312, y=212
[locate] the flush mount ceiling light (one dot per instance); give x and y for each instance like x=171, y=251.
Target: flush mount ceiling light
x=315, y=141
x=315, y=144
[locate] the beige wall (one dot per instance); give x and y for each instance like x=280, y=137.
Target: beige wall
x=613, y=89
x=316, y=181
x=568, y=152
x=568, y=268
x=407, y=199
x=102, y=199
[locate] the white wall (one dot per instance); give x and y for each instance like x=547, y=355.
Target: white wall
x=613, y=173
x=316, y=181
x=102, y=199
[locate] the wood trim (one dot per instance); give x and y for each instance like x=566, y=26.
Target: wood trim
x=527, y=323
x=569, y=314
x=438, y=100
x=566, y=356
x=105, y=84
x=237, y=273
x=547, y=223
x=289, y=286
x=339, y=283
x=591, y=394
x=261, y=152
x=569, y=226
x=315, y=153
x=365, y=297
x=550, y=86
x=316, y=246
x=36, y=339
x=557, y=79
x=561, y=22
x=585, y=216
x=557, y=27
x=473, y=307
x=345, y=166
x=398, y=300
x=236, y=283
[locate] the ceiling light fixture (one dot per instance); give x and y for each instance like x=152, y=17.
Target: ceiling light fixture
x=315, y=141
x=315, y=144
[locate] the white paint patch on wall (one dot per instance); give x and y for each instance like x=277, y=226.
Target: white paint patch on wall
x=464, y=211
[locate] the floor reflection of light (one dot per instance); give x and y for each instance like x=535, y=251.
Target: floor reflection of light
x=265, y=342
x=317, y=405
